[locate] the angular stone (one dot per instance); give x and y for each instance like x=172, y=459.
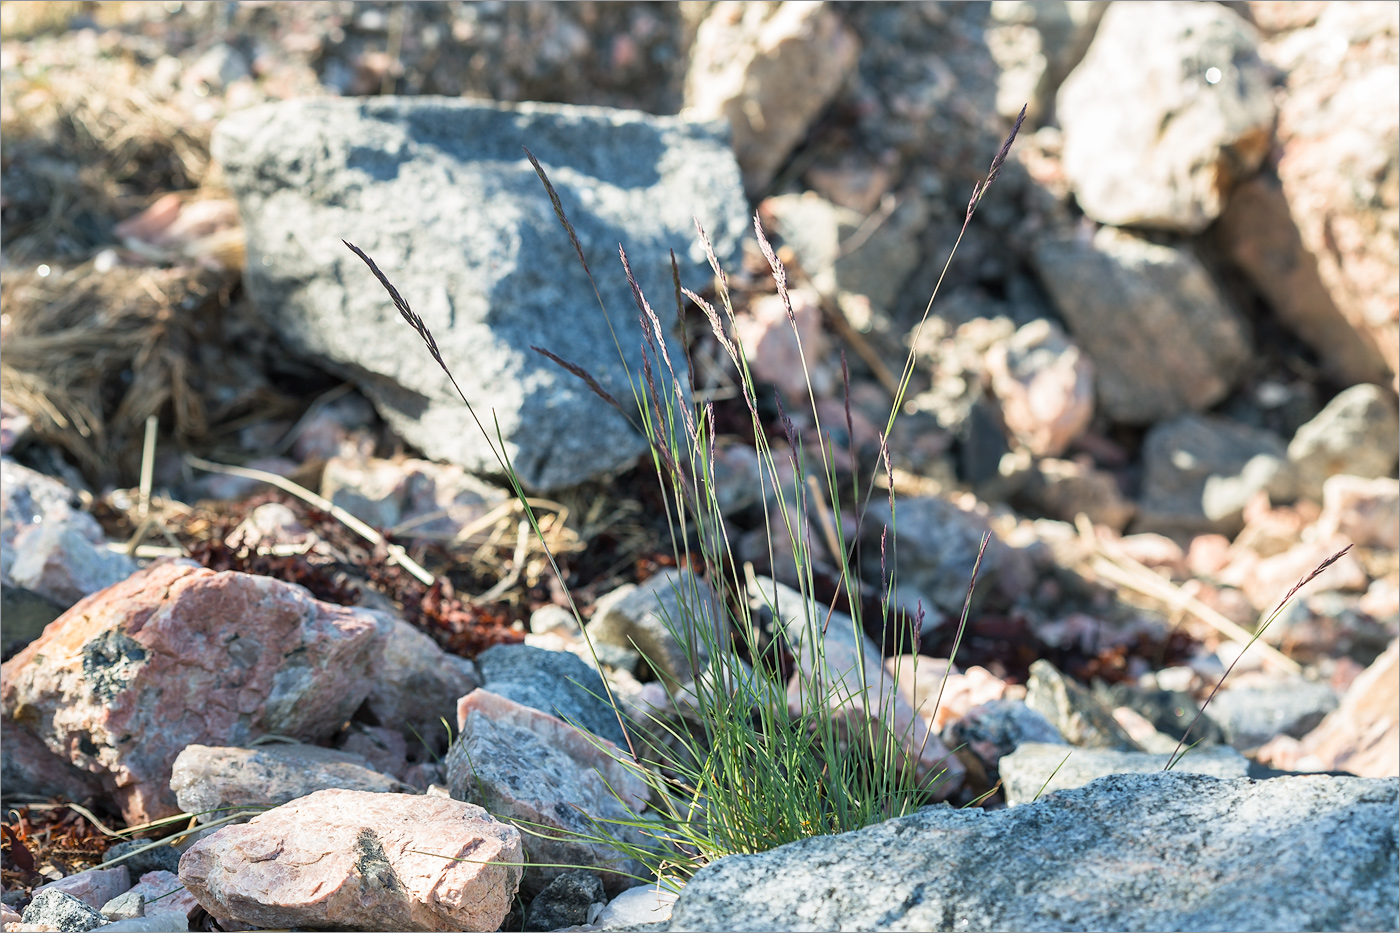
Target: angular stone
x=938, y=545
x=555, y=682
x=1026, y=771
x=386, y=493
x=1258, y=232
x=418, y=686
x=125, y=906
x=1045, y=385
x=572, y=899
x=163, y=892
x=1162, y=338
x=1357, y=434
x=1077, y=861
x=988, y=733
x=28, y=766
x=439, y=193
x=55, y=910
x=93, y=887
x=515, y=775
x=1064, y=488
x=770, y=70
x=1169, y=108
x=1338, y=132
x=1073, y=710
x=178, y=655
x=1362, y=735
x=347, y=860
x=1250, y=715
x=649, y=618
x=590, y=751
x=161, y=858
x=217, y=782
x=1202, y=470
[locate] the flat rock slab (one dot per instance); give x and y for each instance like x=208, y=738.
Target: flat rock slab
x=1127, y=852
x=439, y=193
x=213, y=782
x=347, y=860
x=177, y=655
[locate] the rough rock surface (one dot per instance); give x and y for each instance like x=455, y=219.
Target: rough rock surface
x=648, y=618
x=223, y=780
x=1357, y=433
x=986, y=734
x=1258, y=232
x=55, y=910
x=1251, y=714
x=177, y=655
x=1162, y=338
x=48, y=544
x=514, y=774
x=553, y=681
x=1027, y=771
x=1064, y=488
x=574, y=898
x=419, y=685
x=164, y=893
x=1202, y=470
x=770, y=69
x=1362, y=735
x=94, y=887
x=1169, y=108
x=439, y=193
x=1071, y=709
x=1195, y=852
x=346, y=860
x=1340, y=137
x=28, y=766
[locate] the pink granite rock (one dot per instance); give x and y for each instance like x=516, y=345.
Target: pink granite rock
x=94, y=887
x=418, y=686
x=27, y=766
x=1045, y=385
x=8, y=916
x=164, y=892
x=178, y=654
x=1365, y=510
x=346, y=860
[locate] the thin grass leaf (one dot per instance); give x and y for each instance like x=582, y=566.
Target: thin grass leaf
x=589, y=381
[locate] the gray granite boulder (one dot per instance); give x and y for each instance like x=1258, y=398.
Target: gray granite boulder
x=554, y=682
x=650, y=617
x=1027, y=772
x=440, y=194
x=1357, y=434
x=1165, y=851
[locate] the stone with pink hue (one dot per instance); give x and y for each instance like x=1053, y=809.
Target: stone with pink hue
x=383, y=749
x=8, y=916
x=164, y=892
x=1337, y=128
x=769, y=70
x=93, y=887
x=588, y=750
x=178, y=655
x=853, y=678
x=346, y=860
x=772, y=346
x=1045, y=385
x=438, y=498
x=1362, y=735
x=1208, y=555
x=1265, y=581
x=27, y=766
x=1365, y=510
x=215, y=782
x=1157, y=552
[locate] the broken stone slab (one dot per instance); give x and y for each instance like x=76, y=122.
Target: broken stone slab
x=1026, y=771
x=1220, y=854
x=516, y=775
x=439, y=193
x=178, y=655
x=587, y=750
x=649, y=618
x=217, y=782
x=348, y=860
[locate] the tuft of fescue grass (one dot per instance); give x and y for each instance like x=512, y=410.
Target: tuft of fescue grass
x=737, y=760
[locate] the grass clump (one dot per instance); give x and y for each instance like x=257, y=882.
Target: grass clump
x=739, y=757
